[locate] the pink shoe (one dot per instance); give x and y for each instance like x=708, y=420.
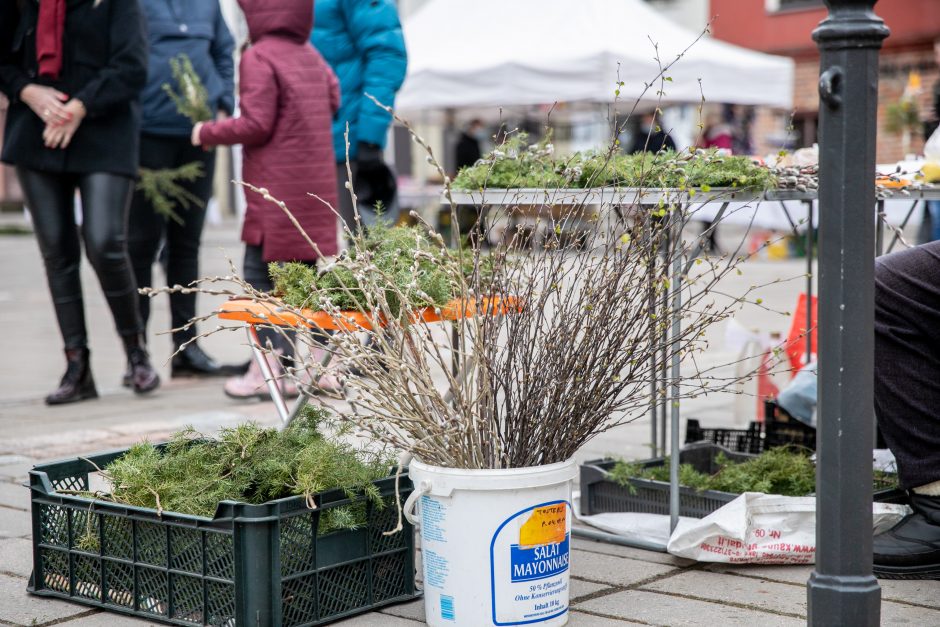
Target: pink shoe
x=252, y=384
x=329, y=381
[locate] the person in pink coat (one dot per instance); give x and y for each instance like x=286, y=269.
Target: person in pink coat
x=288, y=96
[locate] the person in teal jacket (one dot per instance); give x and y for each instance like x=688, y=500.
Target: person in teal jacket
x=363, y=43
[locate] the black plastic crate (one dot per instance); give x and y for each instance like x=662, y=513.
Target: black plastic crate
x=750, y=440
x=600, y=494
x=253, y=565
x=778, y=429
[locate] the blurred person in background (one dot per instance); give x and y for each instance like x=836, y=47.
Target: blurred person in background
x=288, y=97
x=650, y=136
x=73, y=72
x=469, y=147
x=363, y=43
x=194, y=28
x=716, y=133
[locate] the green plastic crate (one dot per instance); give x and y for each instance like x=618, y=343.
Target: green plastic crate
x=252, y=565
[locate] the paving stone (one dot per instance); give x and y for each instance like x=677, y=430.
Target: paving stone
x=6, y=460
x=613, y=570
x=17, y=472
x=662, y=609
x=917, y=592
x=16, y=557
x=580, y=619
x=766, y=595
x=14, y=523
x=583, y=588
x=376, y=619
x=412, y=611
x=901, y=614
x=20, y=608
x=604, y=548
x=106, y=619
x=14, y=495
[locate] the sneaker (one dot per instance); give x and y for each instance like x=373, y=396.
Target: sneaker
x=252, y=384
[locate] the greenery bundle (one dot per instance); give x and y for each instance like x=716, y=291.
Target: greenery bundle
x=251, y=464
x=192, y=99
x=785, y=471
x=418, y=272
x=516, y=163
x=164, y=192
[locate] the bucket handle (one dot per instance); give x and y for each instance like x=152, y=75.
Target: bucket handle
x=420, y=490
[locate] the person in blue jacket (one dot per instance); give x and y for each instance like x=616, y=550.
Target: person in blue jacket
x=196, y=29
x=363, y=43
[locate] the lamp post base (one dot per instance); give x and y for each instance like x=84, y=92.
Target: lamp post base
x=837, y=600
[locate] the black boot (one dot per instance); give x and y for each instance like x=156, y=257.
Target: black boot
x=192, y=361
x=77, y=383
x=911, y=549
x=140, y=374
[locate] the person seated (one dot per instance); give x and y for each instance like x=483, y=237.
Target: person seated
x=907, y=403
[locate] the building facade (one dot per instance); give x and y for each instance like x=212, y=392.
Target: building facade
x=784, y=26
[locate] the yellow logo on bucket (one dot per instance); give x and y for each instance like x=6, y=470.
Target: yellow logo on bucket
x=546, y=525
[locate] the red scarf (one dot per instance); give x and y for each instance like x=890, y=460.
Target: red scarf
x=49, y=32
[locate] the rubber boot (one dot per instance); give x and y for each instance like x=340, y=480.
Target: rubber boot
x=77, y=383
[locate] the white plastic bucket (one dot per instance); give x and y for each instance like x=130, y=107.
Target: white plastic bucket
x=495, y=543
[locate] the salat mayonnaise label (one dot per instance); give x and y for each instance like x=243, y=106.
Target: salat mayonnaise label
x=529, y=557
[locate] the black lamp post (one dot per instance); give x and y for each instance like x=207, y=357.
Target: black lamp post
x=842, y=589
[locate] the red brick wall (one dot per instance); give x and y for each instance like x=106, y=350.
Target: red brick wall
x=747, y=23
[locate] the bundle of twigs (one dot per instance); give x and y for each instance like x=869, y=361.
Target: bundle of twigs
x=585, y=341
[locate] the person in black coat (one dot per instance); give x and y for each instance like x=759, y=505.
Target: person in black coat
x=650, y=137
x=468, y=149
x=73, y=71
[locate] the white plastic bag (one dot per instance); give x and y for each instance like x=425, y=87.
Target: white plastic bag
x=759, y=528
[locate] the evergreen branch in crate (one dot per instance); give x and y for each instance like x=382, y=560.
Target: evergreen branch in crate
x=163, y=189
x=192, y=99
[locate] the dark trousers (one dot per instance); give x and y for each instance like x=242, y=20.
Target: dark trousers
x=907, y=360
x=105, y=200
x=255, y=271
x=149, y=229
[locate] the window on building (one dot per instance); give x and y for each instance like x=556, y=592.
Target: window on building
x=791, y=5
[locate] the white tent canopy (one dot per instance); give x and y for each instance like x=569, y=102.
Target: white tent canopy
x=519, y=52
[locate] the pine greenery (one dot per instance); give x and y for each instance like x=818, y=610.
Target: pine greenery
x=783, y=470
x=164, y=192
x=405, y=255
x=251, y=464
x=518, y=164
x=192, y=100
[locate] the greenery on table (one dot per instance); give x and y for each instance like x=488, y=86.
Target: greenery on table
x=517, y=164
x=785, y=471
x=251, y=464
x=404, y=257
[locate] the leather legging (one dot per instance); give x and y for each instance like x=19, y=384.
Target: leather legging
x=105, y=202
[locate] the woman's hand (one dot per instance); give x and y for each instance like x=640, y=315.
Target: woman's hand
x=60, y=136
x=46, y=102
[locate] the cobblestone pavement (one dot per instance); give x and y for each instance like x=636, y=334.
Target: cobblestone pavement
x=611, y=585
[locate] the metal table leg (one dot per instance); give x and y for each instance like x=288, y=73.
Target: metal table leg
x=907, y=218
x=676, y=323
x=286, y=415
